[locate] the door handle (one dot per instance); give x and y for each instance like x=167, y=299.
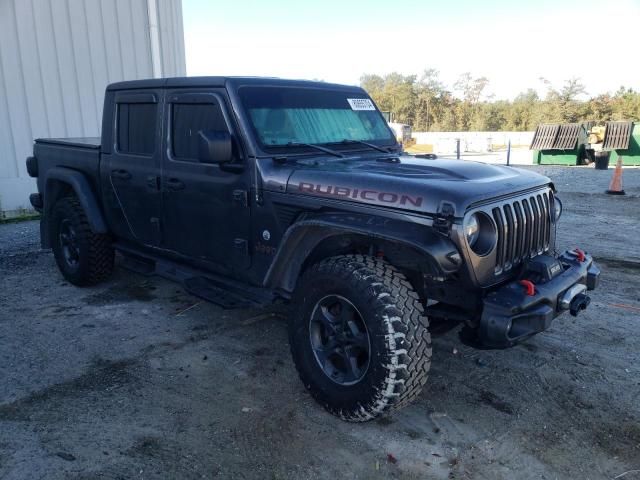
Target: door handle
x=174, y=184
x=121, y=174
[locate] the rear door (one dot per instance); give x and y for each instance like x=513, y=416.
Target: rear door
x=133, y=166
x=205, y=206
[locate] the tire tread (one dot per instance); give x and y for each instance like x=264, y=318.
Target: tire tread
x=409, y=342
x=100, y=250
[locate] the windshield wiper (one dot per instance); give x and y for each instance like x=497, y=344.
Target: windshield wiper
x=317, y=147
x=367, y=144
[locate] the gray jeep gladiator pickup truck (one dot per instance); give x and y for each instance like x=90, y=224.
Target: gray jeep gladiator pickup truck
x=253, y=190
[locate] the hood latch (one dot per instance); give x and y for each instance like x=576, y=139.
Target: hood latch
x=443, y=220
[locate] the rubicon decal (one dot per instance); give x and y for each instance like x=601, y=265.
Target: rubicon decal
x=365, y=194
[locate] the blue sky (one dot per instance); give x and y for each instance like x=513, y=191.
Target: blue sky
x=513, y=43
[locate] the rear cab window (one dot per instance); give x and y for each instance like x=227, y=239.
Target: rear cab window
x=136, y=122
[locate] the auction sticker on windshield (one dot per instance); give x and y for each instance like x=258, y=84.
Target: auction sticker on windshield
x=361, y=104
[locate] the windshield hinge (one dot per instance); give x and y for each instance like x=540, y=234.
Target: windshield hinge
x=240, y=198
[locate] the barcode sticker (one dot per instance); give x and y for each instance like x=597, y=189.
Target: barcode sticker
x=361, y=104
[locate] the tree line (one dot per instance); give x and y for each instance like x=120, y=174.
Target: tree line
x=427, y=104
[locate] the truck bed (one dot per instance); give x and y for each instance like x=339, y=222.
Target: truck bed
x=79, y=154
x=83, y=142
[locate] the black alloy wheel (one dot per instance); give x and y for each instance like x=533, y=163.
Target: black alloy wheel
x=340, y=340
x=69, y=243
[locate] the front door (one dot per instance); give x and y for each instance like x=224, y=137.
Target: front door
x=205, y=206
x=132, y=170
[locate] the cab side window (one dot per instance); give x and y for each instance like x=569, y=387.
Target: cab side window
x=136, y=128
x=187, y=119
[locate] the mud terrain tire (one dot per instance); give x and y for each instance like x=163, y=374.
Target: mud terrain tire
x=387, y=309
x=85, y=258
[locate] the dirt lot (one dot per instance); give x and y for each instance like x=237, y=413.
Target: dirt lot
x=137, y=379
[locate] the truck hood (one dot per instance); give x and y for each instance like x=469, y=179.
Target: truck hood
x=414, y=184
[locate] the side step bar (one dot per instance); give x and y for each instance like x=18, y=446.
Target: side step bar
x=218, y=293
x=222, y=291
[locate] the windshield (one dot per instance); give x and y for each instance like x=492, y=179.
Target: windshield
x=285, y=116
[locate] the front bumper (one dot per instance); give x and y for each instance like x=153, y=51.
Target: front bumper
x=511, y=314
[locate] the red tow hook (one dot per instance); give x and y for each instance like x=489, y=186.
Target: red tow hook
x=579, y=254
x=529, y=286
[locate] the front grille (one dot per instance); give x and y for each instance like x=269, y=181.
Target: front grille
x=524, y=229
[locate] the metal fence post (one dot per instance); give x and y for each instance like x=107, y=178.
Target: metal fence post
x=508, y=151
x=458, y=148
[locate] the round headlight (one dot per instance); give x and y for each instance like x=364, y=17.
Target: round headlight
x=472, y=229
x=557, y=209
x=480, y=233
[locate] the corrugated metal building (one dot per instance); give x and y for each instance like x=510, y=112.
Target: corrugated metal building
x=57, y=56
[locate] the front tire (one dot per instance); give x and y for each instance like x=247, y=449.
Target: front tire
x=84, y=258
x=359, y=337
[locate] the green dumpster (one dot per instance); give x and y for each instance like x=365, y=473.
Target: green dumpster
x=630, y=155
x=568, y=144
x=560, y=144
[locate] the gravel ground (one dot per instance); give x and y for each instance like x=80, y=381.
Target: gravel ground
x=137, y=379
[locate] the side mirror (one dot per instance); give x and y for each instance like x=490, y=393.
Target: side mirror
x=214, y=146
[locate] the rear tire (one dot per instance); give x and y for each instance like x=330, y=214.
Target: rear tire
x=340, y=301
x=84, y=258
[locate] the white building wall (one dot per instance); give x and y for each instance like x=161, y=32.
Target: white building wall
x=57, y=57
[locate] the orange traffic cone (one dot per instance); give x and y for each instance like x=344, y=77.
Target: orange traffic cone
x=615, y=187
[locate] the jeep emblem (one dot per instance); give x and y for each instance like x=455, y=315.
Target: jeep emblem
x=266, y=235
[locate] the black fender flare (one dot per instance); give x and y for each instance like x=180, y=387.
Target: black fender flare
x=304, y=236
x=83, y=191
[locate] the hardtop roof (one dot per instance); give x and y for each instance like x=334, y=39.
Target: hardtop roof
x=185, y=82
